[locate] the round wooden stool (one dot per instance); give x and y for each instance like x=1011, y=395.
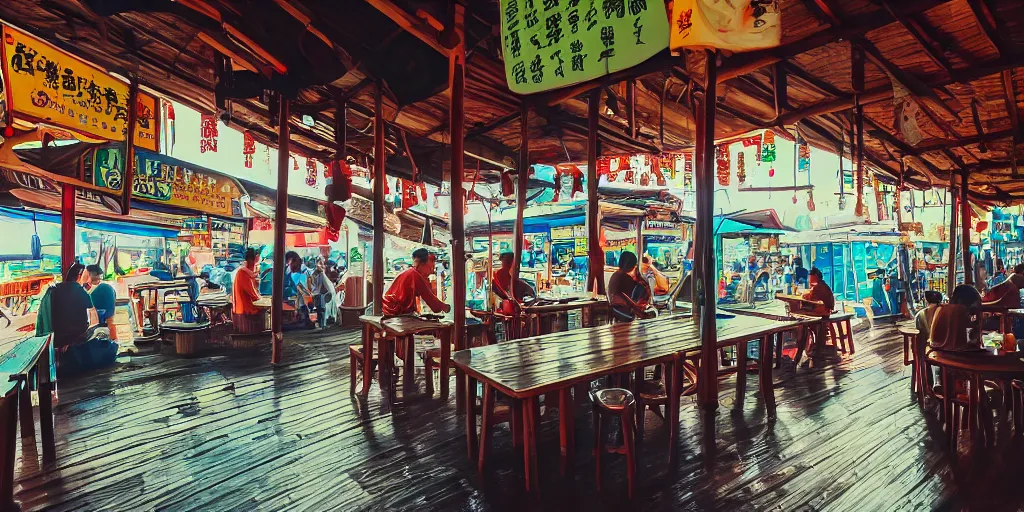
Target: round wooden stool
x=619, y=402
x=188, y=336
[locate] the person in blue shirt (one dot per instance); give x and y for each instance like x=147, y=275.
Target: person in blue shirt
x=103, y=299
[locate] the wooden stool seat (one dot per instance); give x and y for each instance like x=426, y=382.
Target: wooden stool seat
x=621, y=403
x=355, y=362
x=188, y=336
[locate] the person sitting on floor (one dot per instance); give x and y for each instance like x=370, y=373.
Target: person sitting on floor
x=244, y=294
x=951, y=322
x=400, y=299
x=629, y=294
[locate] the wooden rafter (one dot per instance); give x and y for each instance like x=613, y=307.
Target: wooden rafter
x=916, y=86
x=1010, y=97
x=824, y=10
x=920, y=34
x=986, y=22
x=415, y=26
x=814, y=81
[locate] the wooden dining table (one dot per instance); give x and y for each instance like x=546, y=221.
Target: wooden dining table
x=526, y=368
x=540, y=317
x=402, y=329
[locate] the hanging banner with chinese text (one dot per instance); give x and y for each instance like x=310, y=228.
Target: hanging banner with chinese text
x=46, y=84
x=738, y=26
x=164, y=180
x=555, y=43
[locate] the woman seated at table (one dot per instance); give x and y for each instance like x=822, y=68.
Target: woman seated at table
x=952, y=321
x=629, y=294
x=400, y=299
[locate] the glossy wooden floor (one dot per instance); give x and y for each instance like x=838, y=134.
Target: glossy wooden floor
x=229, y=432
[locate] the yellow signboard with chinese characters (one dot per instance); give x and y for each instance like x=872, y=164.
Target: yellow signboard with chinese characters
x=549, y=44
x=48, y=85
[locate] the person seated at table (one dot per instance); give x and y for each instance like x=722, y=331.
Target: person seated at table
x=71, y=310
x=923, y=323
x=103, y=299
x=1007, y=293
x=245, y=292
x=951, y=322
x=502, y=283
x=400, y=299
x=650, y=273
x=296, y=292
x=819, y=292
x=628, y=293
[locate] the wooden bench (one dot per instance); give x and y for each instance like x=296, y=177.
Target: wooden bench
x=188, y=336
x=29, y=361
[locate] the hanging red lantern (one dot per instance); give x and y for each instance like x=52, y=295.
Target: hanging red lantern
x=207, y=133
x=248, y=148
x=423, y=191
x=771, y=172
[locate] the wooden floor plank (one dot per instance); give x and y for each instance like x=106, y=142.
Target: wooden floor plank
x=230, y=432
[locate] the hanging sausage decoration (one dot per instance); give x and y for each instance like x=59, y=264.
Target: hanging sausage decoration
x=207, y=133
x=310, y=171
x=722, y=164
x=248, y=148
x=741, y=167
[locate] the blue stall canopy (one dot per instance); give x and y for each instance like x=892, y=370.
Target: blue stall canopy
x=124, y=228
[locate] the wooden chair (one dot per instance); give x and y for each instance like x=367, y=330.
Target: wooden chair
x=909, y=359
x=495, y=412
x=621, y=403
x=356, y=361
x=188, y=336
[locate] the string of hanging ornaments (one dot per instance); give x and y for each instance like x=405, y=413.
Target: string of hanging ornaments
x=722, y=164
x=768, y=151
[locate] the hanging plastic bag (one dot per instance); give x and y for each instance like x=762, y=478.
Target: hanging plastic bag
x=735, y=25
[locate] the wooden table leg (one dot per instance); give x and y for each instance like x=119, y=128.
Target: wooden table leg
x=28, y=428
x=948, y=392
x=530, y=445
x=386, y=364
x=764, y=369
x=471, y=435
x=673, y=372
x=486, y=422
x=45, y=392
x=446, y=356
x=8, y=435
x=801, y=345
x=849, y=336
x=985, y=413
x=368, y=359
x=566, y=430
x=779, y=341
x=408, y=364
x=741, y=372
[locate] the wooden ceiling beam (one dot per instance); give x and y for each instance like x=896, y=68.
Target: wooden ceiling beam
x=494, y=124
x=814, y=81
x=931, y=47
x=1010, y=98
x=410, y=23
x=824, y=10
x=987, y=23
x=962, y=142
x=744, y=63
x=915, y=85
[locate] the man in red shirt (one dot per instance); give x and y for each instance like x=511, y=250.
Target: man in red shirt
x=400, y=299
x=503, y=276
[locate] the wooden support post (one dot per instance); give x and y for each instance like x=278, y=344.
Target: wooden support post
x=631, y=127
x=857, y=61
x=595, y=281
x=965, y=228
x=951, y=269
x=67, y=227
x=704, y=257
x=639, y=239
x=341, y=130
x=457, y=82
x=379, y=175
x=129, y=146
x=280, y=227
x=522, y=183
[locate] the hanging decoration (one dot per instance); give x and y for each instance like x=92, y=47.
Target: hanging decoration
x=810, y=200
x=688, y=171
x=741, y=167
x=722, y=164
x=208, y=133
x=768, y=147
x=295, y=163
x=771, y=172
x=423, y=190
x=571, y=172
x=310, y=171
x=754, y=141
x=266, y=156
x=803, y=153
x=409, y=197
x=248, y=148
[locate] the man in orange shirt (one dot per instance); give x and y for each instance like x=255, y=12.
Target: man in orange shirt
x=400, y=299
x=245, y=290
x=502, y=278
